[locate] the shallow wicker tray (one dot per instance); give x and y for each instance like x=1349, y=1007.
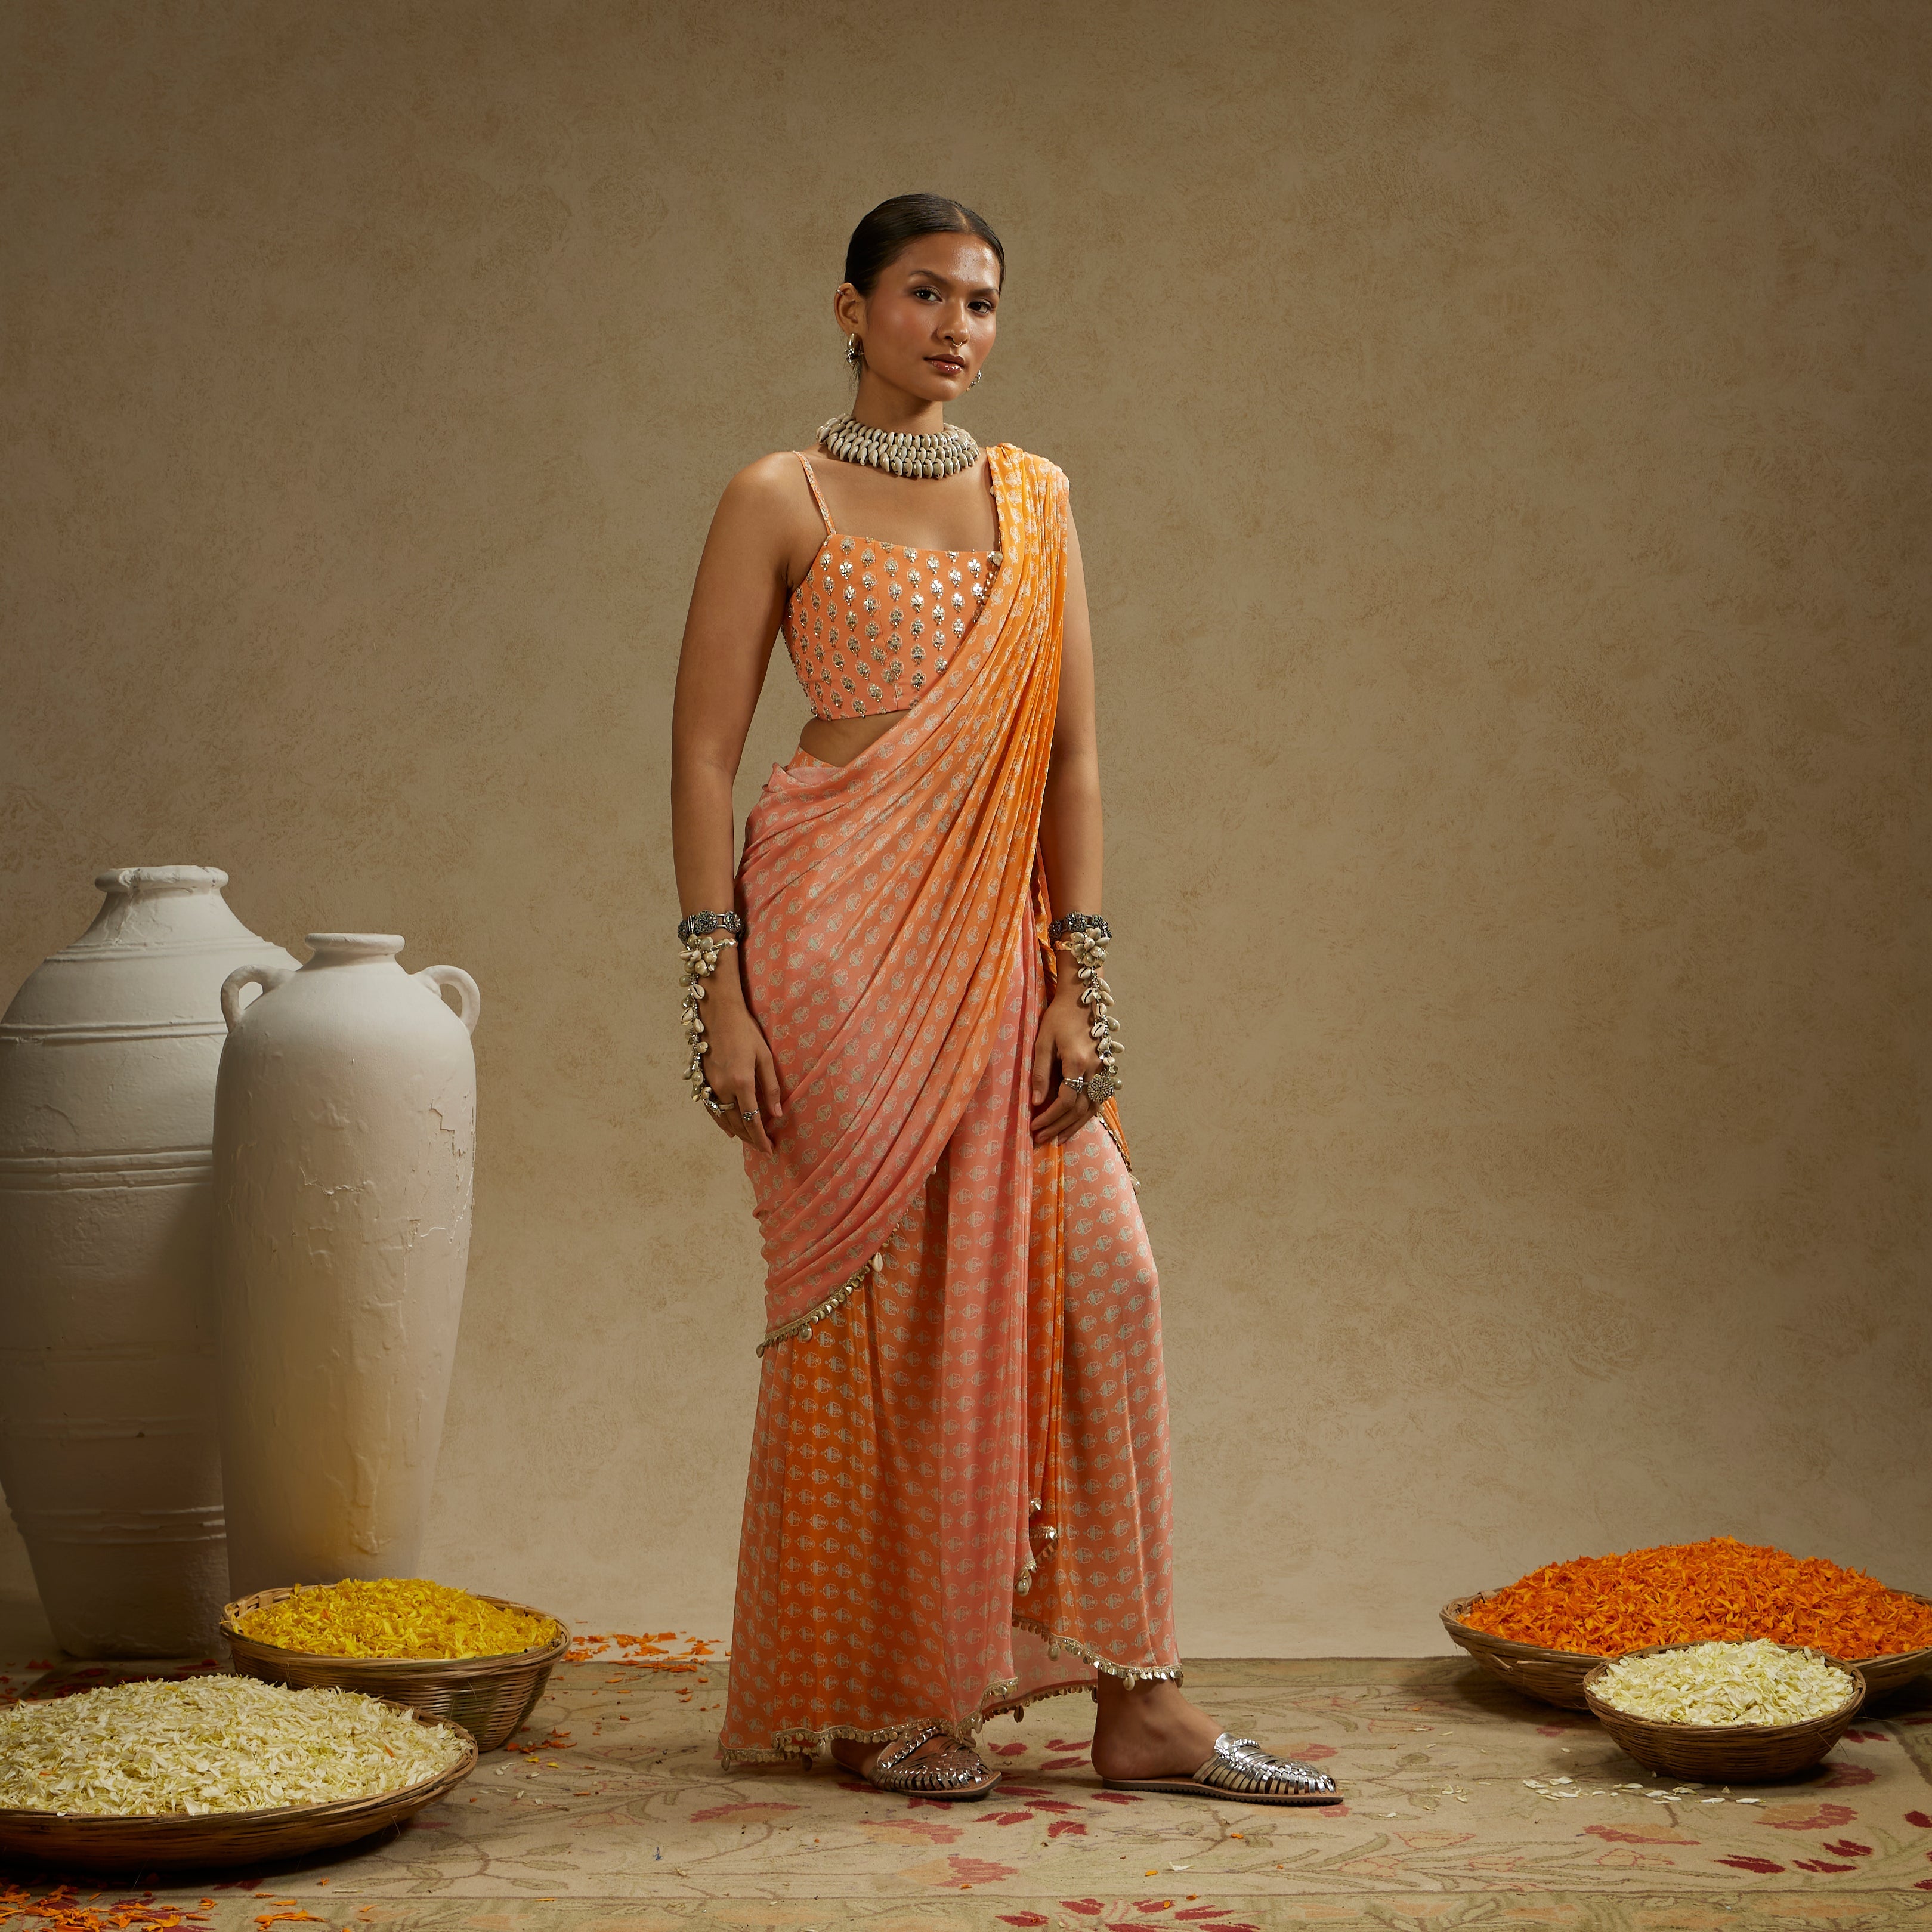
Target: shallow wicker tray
x=1555, y=1676
x=88, y=1842
x=489, y=1697
x=1885, y=1674
x=1727, y=1754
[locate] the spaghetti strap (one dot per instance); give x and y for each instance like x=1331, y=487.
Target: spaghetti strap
x=831, y=528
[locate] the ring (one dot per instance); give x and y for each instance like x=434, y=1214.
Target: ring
x=743, y=1115
x=1078, y=1083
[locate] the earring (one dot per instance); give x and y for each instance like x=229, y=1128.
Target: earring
x=854, y=355
x=976, y=374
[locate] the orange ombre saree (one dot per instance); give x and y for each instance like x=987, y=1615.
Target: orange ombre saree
x=959, y=1493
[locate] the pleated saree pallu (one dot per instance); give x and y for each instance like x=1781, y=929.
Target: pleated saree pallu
x=958, y=1492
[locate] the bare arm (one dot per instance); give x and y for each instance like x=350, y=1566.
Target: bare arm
x=1069, y=823
x=737, y=605
x=1069, y=837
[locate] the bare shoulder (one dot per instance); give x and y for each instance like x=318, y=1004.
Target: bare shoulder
x=774, y=484
x=766, y=511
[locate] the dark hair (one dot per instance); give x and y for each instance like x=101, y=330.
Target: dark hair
x=893, y=226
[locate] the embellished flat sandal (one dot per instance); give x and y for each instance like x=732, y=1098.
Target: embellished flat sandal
x=957, y=1777
x=1240, y=1769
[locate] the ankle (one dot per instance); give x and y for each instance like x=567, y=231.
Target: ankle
x=1150, y=1729
x=1146, y=1706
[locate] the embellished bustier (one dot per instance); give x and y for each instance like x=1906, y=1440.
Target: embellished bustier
x=871, y=624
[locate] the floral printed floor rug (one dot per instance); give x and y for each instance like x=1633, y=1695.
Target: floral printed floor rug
x=1466, y=1807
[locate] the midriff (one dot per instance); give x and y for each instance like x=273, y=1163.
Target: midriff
x=838, y=741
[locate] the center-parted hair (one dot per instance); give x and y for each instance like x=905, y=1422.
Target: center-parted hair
x=883, y=235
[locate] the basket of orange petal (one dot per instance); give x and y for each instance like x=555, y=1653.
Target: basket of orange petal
x=1546, y=1633
x=480, y=1662
x=1537, y=1670
x=1725, y=1713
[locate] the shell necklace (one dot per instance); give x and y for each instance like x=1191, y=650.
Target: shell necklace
x=944, y=453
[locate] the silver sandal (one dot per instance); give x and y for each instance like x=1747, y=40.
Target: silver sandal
x=954, y=1784
x=1240, y=1769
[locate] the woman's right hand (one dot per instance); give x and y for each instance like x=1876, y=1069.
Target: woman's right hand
x=739, y=1067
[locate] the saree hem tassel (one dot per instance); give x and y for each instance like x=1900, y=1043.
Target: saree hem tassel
x=1133, y=1673
x=803, y=1325
x=1015, y=1707
x=803, y=1740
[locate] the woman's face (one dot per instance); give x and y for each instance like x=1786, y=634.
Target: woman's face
x=927, y=327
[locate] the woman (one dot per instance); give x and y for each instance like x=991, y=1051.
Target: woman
x=958, y=1494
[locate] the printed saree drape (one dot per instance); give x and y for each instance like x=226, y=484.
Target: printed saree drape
x=958, y=1492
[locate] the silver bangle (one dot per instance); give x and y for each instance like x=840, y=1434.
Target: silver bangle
x=694, y=925
x=1079, y=921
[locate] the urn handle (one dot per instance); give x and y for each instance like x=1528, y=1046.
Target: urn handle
x=267, y=977
x=440, y=976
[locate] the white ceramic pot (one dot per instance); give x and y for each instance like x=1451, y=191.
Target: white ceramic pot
x=107, y=1444
x=345, y=1133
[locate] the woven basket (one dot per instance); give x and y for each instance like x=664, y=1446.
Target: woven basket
x=83, y=1841
x=489, y=1697
x=1554, y=1676
x=1727, y=1754
x=1885, y=1674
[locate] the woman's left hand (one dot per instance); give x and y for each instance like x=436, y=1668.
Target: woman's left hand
x=1065, y=1038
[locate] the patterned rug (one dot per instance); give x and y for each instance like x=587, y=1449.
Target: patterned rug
x=1466, y=1807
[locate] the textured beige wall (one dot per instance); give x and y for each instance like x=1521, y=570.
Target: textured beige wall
x=1498, y=434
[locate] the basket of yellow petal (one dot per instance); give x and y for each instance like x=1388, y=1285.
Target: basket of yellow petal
x=1725, y=1713
x=481, y=1662
x=213, y=1771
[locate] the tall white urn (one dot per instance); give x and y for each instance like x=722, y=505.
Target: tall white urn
x=345, y=1136
x=108, y=1056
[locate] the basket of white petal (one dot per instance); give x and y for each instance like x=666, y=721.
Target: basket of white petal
x=214, y=1771
x=1725, y=1713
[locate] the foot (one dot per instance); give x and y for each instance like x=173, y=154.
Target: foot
x=941, y=1752
x=1149, y=1729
